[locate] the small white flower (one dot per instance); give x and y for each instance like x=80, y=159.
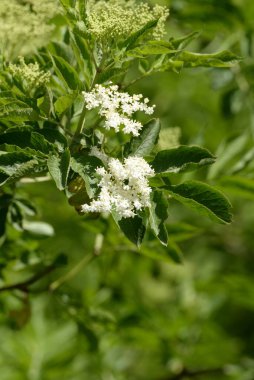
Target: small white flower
x=117, y=107
x=124, y=187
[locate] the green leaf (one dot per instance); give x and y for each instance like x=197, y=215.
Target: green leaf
x=150, y=49
x=111, y=73
x=84, y=55
x=55, y=137
x=5, y=200
x=182, y=231
x=221, y=59
x=159, y=252
x=242, y=187
x=66, y=72
x=182, y=42
x=3, y=177
x=59, y=168
x=182, y=158
x=18, y=111
x=202, y=198
x=85, y=166
x=16, y=165
x=45, y=103
x=66, y=3
x=158, y=214
x=133, y=229
x=63, y=103
x=143, y=144
x=226, y=152
x=175, y=252
x=132, y=39
x=25, y=138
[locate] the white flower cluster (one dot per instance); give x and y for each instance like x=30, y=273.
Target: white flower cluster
x=124, y=187
x=117, y=107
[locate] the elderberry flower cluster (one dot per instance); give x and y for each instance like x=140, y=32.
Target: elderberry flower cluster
x=124, y=187
x=30, y=74
x=116, y=19
x=117, y=107
x=25, y=25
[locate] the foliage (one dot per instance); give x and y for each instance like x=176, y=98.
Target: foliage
x=132, y=313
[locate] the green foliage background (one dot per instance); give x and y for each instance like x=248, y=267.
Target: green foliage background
x=126, y=316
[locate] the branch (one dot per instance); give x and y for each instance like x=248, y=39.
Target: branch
x=187, y=374
x=23, y=286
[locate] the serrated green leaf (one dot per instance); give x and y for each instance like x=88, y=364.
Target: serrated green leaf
x=16, y=165
x=66, y=72
x=59, y=167
x=182, y=158
x=133, y=229
x=202, y=198
x=17, y=111
x=158, y=214
x=11, y=162
x=143, y=144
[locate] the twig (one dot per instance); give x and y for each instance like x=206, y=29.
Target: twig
x=98, y=243
x=24, y=285
x=72, y=273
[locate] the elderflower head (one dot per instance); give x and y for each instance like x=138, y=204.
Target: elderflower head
x=25, y=25
x=124, y=187
x=114, y=19
x=30, y=73
x=117, y=107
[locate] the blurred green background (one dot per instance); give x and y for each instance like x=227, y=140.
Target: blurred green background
x=126, y=316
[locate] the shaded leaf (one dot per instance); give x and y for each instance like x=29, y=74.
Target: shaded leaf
x=182, y=158
x=133, y=229
x=202, y=198
x=66, y=72
x=16, y=164
x=158, y=214
x=26, y=139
